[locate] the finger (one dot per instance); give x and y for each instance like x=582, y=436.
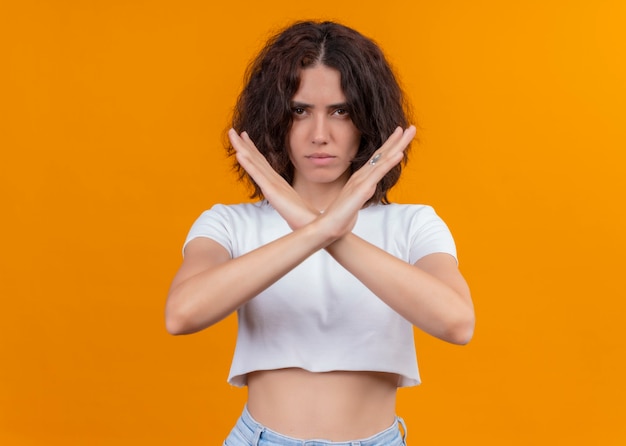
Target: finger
x=394, y=145
x=235, y=139
x=399, y=146
x=241, y=142
x=392, y=139
x=408, y=136
x=246, y=138
x=399, y=139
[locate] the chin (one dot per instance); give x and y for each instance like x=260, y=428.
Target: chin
x=327, y=179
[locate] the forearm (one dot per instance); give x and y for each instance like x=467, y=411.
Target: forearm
x=440, y=306
x=442, y=309
x=205, y=298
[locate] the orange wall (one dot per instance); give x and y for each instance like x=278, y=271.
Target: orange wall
x=110, y=127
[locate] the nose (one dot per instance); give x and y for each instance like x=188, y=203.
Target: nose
x=320, y=131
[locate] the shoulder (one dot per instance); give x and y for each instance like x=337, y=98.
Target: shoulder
x=240, y=211
x=225, y=222
x=415, y=226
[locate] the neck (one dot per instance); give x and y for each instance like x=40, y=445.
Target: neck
x=319, y=196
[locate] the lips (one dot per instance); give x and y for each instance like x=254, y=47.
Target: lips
x=320, y=158
x=320, y=155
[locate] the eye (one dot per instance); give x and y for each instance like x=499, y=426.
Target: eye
x=298, y=110
x=341, y=112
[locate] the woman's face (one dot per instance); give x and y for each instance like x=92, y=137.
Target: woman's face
x=323, y=140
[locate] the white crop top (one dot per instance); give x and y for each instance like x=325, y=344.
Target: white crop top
x=319, y=317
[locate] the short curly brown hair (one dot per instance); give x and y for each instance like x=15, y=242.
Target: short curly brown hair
x=376, y=101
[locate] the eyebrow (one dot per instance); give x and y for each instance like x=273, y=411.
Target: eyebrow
x=328, y=107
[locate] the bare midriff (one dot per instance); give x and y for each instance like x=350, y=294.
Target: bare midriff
x=335, y=406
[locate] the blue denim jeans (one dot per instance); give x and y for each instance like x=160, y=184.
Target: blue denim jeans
x=248, y=432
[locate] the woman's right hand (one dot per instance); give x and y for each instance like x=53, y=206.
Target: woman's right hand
x=276, y=190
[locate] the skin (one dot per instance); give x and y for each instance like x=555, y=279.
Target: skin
x=323, y=140
x=209, y=285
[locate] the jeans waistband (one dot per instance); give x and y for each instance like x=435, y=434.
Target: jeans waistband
x=253, y=431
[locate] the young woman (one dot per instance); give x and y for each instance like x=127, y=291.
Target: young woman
x=328, y=278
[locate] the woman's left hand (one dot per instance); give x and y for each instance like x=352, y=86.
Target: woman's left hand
x=361, y=186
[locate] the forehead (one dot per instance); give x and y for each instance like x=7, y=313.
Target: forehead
x=319, y=84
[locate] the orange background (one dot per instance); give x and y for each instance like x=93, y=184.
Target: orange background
x=111, y=119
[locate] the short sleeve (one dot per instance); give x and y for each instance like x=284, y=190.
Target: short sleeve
x=429, y=234
x=214, y=224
